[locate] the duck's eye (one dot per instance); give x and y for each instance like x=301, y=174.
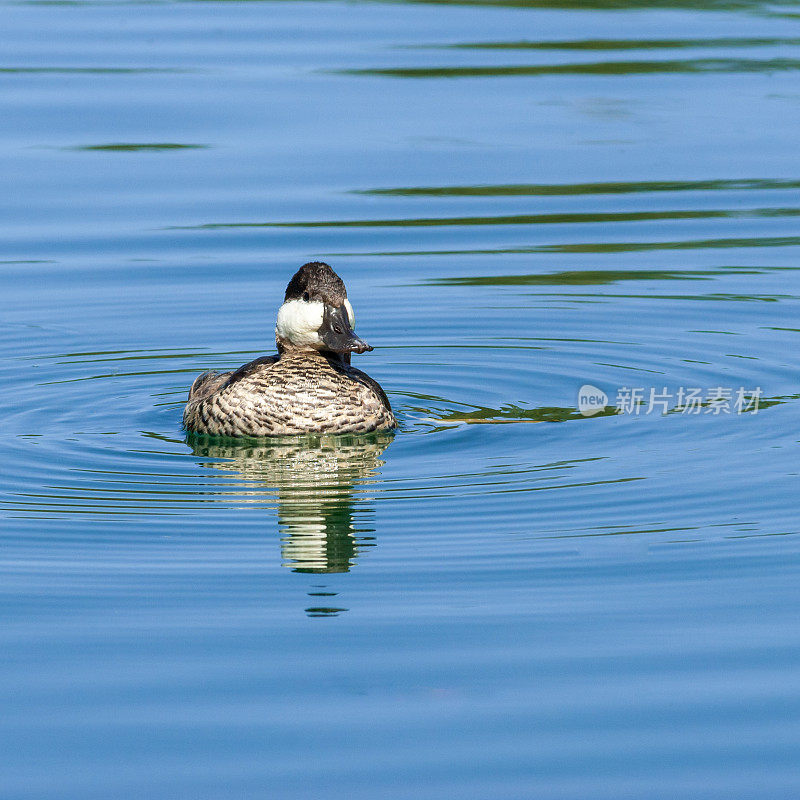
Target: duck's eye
x=306, y=296
x=338, y=329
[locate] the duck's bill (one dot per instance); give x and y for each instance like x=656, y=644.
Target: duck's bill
x=336, y=333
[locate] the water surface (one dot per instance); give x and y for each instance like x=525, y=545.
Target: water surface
x=504, y=599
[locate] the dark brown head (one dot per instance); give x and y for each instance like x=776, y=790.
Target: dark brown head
x=316, y=313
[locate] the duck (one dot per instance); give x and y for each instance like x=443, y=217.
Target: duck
x=309, y=385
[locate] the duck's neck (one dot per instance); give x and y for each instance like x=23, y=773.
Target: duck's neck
x=288, y=350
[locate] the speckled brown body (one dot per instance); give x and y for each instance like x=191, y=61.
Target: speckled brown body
x=296, y=392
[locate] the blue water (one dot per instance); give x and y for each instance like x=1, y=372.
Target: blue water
x=505, y=599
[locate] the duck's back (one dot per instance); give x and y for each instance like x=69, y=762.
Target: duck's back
x=293, y=393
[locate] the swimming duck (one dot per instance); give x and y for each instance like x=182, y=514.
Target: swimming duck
x=309, y=386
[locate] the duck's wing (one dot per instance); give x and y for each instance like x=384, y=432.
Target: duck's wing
x=206, y=384
x=250, y=368
x=372, y=383
x=212, y=381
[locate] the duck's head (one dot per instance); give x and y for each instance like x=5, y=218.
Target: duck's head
x=316, y=314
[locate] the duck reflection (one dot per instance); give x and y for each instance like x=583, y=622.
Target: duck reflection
x=314, y=480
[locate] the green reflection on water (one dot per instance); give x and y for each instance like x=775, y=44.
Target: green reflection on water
x=132, y=147
x=512, y=413
x=510, y=219
x=639, y=67
x=709, y=5
x=621, y=44
x=614, y=187
x=581, y=277
x=597, y=247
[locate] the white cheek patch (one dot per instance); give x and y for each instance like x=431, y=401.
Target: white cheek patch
x=299, y=322
x=350, y=314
